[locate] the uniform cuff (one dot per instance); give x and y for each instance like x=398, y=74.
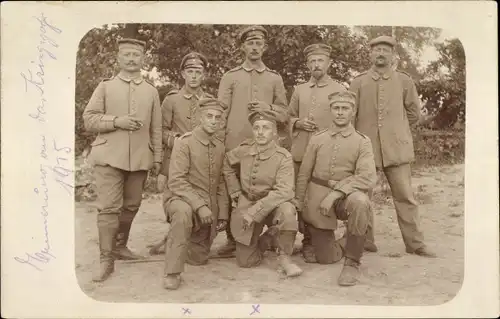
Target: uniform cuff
x=293, y=131
x=108, y=121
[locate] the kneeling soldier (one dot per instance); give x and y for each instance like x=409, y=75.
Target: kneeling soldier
x=198, y=204
x=337, y=171
x=263, y=195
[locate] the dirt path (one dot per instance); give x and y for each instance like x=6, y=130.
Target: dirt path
x=389, y=277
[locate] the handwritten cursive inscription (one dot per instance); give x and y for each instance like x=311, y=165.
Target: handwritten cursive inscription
x=54, y=158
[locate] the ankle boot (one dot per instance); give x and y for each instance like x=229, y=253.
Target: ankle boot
x=228, y=249
x=353, y=252
x=286, y=241
x=107, y=239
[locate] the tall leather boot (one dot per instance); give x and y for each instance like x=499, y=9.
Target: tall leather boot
x=307, y=247
x=286, y=240
x=122, y=252
x=354, y=250
x=228, y=249
x=107, y=229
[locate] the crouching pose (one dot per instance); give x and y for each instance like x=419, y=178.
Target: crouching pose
x=263, y=195
x=337, y=171
x=197, y=205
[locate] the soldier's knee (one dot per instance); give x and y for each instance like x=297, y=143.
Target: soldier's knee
x=287, y=216
x=358, y=202
x=359, y=210
x=180, y=213
x=247, y=257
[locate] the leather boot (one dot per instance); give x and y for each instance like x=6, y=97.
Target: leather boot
x=353, y=252
x=107, y=228
x=307, y=247
x=422, y=251
x=121, y=251
x=228, y=249
x=370, y=241
x=286, y=241
x=172, y=281
x=269, y=239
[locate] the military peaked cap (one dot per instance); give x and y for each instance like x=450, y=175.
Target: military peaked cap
x=342, y=96
x=267, y=115
x=318, y=48
x=383, y=39
x=194, y=60
x=210, y=103
x=254, y=32
x=132, y=43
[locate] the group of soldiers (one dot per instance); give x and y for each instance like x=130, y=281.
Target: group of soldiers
x=227, y=170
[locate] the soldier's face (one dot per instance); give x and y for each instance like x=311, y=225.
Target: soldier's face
x=193, y=77
x=254, y=49
x=318, y=64
x=263, y=131
x=342, y=113
x=382, y=55
x=130, y=59
x=211, y=120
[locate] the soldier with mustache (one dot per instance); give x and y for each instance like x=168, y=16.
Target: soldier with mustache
x=388, y=111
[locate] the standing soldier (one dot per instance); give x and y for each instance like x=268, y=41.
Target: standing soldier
x=249, y=87
x=388, y=109
x=336, y=174
x=263, y=194
x=198, y=204
x=125, y=111
x=180, y=112
x=309, y=112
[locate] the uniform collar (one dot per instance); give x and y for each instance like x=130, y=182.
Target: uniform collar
x=266, y=153
x=198, y=94
x=376, y=76
x=345, y=132
x=202, y=136
x=247, y=67
x=128, y=79
x=321, y=83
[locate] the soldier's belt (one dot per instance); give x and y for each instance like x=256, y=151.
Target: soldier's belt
x=253, y=197
x=327, y=183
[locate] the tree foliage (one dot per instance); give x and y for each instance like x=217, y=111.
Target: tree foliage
x=168, y=43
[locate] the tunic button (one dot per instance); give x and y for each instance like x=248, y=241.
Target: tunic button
x=380, y=125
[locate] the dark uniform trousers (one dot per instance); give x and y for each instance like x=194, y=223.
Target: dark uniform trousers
x=356, y=210
x=187, y=241
x=119, y=196
x=284, y=218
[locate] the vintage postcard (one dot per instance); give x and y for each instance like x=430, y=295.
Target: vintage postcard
x=197, y=159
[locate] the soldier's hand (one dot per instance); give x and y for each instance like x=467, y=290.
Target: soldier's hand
x=128, y=123
x=328, y=201
x=234, y=199
x=247, y=221
x=306, y=125
x=221, y=225
x=205, y=215
x=258, y=106
x=156, y=169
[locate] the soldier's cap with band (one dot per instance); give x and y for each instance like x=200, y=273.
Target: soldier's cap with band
x=131, y=43
x=342, y=97
x=385, y=39
x=267, y=115
x=253, y=32
x=194, y=60
x=210, y=103
x=318, y=48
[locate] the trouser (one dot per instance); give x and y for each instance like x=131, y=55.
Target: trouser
x=356, y=209
x=286, y=217
x=306, y=240
x=399, y=179
x=185, y=242
x=119, y=196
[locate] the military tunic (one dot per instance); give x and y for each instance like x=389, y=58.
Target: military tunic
x=310, y=100
x=388, y=108
x=180, y=114
x=195, y=180
x=335, y=159
x=241, y=85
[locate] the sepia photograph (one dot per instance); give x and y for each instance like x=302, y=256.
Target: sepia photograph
x=271, y=164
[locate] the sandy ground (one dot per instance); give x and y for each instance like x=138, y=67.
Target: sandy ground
x=389, y=277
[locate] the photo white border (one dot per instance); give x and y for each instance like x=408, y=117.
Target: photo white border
x=28, y=293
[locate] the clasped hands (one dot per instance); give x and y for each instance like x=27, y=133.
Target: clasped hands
x=128, y=123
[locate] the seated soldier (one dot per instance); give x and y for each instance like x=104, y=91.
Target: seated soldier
x=337, y=171
x=262, y=196
x=197, y=204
